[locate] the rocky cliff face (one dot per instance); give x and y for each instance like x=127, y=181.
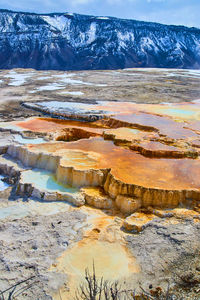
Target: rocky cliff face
x=75, y=42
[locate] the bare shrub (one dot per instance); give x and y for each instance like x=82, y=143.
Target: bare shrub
x=99, y=289
x=17, y=289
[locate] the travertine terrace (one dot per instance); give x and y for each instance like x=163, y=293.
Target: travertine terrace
x=125, y=163
x=133, y=150
x=136, y=153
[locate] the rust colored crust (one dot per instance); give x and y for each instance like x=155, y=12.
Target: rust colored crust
x=74, y=134
x=49, y=125
x=130, y=167
x=159, y=150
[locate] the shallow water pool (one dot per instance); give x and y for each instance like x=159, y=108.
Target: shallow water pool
x=3, y=185
x=20, y=139
x=44, y=180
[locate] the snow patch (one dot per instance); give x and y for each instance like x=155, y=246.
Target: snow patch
x=50, y=87
x=44, y=77
x=148, y=44
x=17, y=78
x=65, y=79
x=102, y=18
x=124, y=37
x=64, y=75
x=92, y=33
x=195, y=73
x=99, y=84
x=74, y=81
x=58, y=22
x=185, y=73
x=77, y=93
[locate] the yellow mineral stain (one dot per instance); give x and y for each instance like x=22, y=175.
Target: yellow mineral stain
x=112, y=259
x=184, y=213
x=128, y=134
x=136, y=221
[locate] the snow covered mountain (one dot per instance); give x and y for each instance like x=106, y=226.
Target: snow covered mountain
x=66, y=41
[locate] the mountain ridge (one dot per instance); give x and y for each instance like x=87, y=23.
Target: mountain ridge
x=66, y=41
x=99, y=16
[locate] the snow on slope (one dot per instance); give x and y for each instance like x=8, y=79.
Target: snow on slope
x=74, y=42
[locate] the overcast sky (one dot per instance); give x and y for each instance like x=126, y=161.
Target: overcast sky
x=183, y=12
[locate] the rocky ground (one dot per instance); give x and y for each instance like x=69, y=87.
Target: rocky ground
x=135, y=85
x=30, y=245
x=167, y=252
